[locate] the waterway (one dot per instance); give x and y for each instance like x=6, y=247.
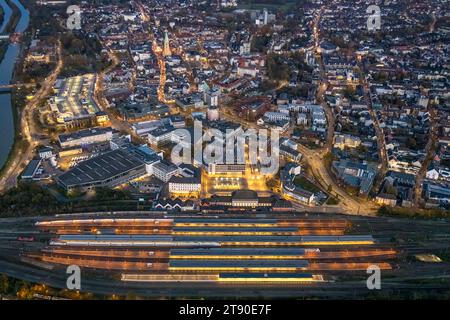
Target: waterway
x=6, y=72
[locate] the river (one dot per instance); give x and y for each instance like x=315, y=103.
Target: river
x=6, y=71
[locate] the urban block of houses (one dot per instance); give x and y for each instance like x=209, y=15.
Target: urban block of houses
x=342, y=141
x=357, y=175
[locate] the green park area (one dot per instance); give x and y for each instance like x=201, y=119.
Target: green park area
x=304, y=183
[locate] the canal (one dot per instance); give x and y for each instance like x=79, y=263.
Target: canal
x=6, y=72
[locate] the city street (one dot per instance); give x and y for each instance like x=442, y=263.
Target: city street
x=28, y=129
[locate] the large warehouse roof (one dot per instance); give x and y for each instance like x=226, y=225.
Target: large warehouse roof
x=101, y=168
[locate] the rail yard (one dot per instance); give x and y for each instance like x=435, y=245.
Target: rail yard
x=280, y=254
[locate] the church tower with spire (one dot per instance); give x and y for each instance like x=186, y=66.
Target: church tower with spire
x=166, y=50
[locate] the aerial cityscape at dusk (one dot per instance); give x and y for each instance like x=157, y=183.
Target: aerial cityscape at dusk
x=232, y=149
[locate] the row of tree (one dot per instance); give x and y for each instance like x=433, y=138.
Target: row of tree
x=29, y=199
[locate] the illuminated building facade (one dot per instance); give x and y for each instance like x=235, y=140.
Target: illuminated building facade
x=226, y=169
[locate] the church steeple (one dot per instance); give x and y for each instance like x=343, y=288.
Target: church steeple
x=166, y=51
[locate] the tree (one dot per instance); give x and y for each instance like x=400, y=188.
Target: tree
x=349, y=92
x=272, y=183
x=4, y=284
x=267, y=85
x=24, y=290
x=76, y=45
x=27, y=199
x=411, y=143
x=259, y=43
x=131, y=296
x=75, y=193
x=110, y=194
x=277, y=68
x=362, y=149
x=329, y=157
x=392, y=190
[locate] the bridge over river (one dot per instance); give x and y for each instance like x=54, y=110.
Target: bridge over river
x=6, y=88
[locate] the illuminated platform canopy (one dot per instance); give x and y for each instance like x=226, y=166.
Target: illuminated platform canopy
x=212, y=249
